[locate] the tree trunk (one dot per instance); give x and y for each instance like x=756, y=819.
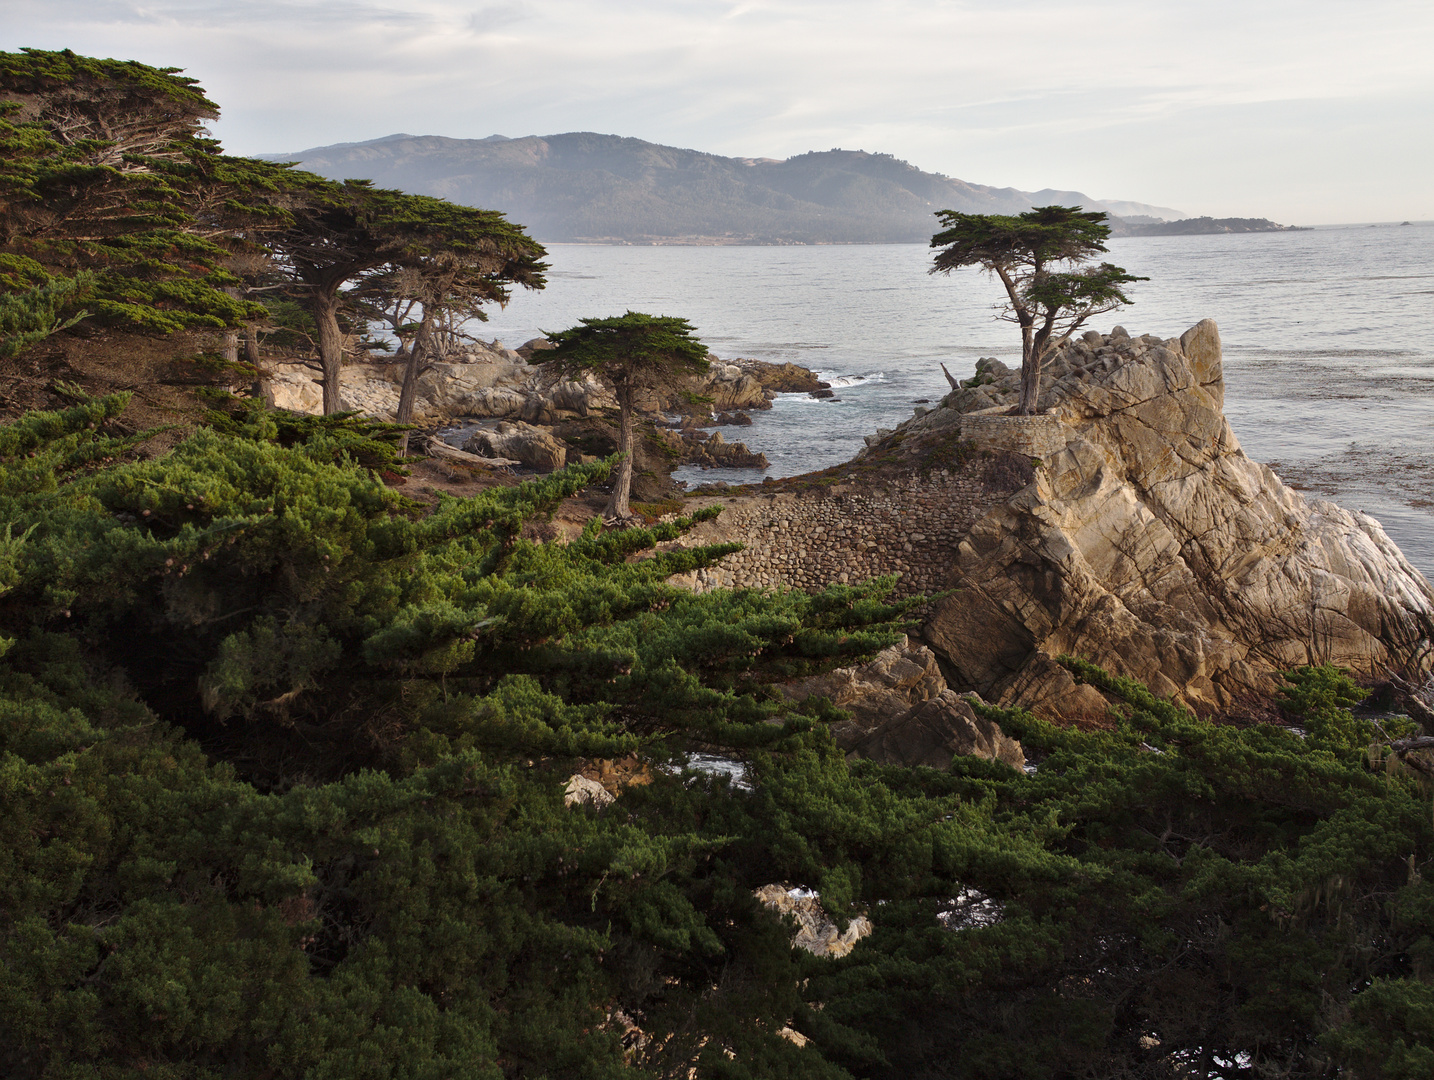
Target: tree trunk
x=617, y=505
x=231, y=346
x=331, y=345
x=261, y=388
x=406, y=396
x=1030, y=384
x=1030, y=372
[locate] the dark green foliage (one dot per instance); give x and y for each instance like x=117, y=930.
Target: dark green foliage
x=631, y=353
x=1323, y=696
x=1024, y=252
x=1179, y=899
x=283, y=759
x=384, y=879
x=105, y=169
x=35, y=314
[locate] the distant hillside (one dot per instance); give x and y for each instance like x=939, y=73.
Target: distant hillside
x=583, y=186
x=1201, y=225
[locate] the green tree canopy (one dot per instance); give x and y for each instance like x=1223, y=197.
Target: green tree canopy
x=334, y=234
x=105, y=168
x=1025, y=253
x=631, y=353
x=283, y=760
x=430, y=291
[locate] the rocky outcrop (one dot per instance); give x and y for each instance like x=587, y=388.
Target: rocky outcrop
x=493, y=381
x=522, y=442
x=935, y=732
x=903, y=713
x=716, y=452
x=783, y=378
x=1149, y=543
x=816, y=932
x=482, y=381
x=729, y=389
x=584, y=791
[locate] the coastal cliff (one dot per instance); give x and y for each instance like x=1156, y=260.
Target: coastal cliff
x=1142, y=538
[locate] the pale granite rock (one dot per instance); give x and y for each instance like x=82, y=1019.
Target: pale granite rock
x=581, y=791
x=1150, y=544
x=816, y=932
x=522, y=442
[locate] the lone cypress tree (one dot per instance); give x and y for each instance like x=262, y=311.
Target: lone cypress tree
x=1048, y=304
x=631, y=353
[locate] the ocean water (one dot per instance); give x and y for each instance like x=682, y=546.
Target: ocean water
x=1329, y=359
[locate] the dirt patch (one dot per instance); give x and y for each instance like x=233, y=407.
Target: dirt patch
x=166, y=376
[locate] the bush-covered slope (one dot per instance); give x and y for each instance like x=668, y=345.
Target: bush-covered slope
x=283, y=762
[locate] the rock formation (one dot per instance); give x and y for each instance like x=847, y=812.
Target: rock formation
x=816, y=933
x=522, y=442
x=1124, y=524
x=1149, y=543
x=903, y=713
x=493, y=381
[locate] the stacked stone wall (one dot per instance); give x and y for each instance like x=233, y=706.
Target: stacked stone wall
x=847, y=534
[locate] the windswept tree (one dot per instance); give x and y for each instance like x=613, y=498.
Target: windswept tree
x=631, y=353
x=107, y=179
x=337, y=233
x=444, y=280
x=1039, y=257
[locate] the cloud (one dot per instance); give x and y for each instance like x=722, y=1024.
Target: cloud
x=1025, y=92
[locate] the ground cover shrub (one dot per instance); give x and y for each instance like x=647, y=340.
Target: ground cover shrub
x=283, y=759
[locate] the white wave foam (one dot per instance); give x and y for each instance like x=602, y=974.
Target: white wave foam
x=839, y=381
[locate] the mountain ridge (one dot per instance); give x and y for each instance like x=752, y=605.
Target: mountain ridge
x=586, y=186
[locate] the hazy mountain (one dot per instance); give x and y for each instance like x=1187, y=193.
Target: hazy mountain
x=584, y=186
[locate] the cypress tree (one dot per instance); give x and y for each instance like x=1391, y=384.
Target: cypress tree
x=631, y=353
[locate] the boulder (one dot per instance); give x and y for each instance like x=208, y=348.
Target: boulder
x=787, y=378
x=713, y=451
x=903, y=713
x=816, y=932
x=730, y=388
x=886, y=686
x=934, y=732
x=522, y=442
x=582, y=791
x=535, y=345
x=1148, y=542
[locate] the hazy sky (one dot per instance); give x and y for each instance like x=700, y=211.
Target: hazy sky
x=1304, y=111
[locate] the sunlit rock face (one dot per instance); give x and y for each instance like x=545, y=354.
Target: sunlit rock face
x=903, y=713
x=493, y=381
x=1149, y=543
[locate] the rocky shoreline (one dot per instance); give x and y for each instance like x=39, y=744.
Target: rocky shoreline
x=529, y=416
x=1124, y=525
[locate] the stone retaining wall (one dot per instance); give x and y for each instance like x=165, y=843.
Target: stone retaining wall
x=995, y=429
x=845, y=534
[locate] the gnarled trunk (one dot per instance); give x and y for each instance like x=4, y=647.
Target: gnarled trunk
x=331, y=345
x=406, y=396
x=617, y=506
x=261, y=388
x=1030, y=384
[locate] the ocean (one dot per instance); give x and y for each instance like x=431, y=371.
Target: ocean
x=1329, y=359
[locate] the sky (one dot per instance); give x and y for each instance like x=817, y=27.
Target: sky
x=1307, y=112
